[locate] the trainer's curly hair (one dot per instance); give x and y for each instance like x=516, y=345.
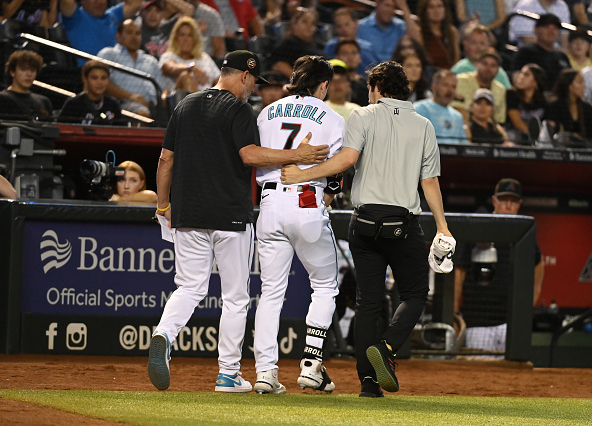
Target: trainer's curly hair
x=309, y=72
x=391, y=80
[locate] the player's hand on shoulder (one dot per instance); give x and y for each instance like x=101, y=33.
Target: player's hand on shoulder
x=311, y=154
x=291, y=174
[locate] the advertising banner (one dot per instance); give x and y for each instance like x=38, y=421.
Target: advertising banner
x=130, y=336
x=121, y=270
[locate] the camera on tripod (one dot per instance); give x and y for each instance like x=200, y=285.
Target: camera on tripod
x=101, y=177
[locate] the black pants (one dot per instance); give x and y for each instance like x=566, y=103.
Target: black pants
x=408, y=258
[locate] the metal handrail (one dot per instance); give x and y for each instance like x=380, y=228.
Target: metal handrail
x=85, y=55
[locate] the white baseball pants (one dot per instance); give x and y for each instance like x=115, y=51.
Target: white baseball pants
x=282, y=229
x=195, y=251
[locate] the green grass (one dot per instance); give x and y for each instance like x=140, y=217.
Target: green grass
x=167, y=408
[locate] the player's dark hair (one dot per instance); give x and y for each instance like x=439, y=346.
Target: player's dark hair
x=24, y=59
x=391, y=80
x=93, y=65
x=309, y=73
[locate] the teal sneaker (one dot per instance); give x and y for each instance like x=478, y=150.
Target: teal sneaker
x=158, y=361
x=232, y=383
x=384, y=364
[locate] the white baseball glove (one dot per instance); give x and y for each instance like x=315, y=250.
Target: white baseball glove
x=441, y=251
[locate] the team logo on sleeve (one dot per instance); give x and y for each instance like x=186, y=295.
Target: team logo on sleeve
x=55, y=255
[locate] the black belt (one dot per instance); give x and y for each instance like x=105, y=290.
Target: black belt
x=274, y=186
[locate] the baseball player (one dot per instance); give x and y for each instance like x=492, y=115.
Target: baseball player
x=293, y=218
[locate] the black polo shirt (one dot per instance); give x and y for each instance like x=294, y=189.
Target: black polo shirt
x=211, y=185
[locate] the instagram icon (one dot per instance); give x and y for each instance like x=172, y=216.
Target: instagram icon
x=76, y=336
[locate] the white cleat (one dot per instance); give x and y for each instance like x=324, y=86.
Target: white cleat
x=267, y=382
x=314, y=376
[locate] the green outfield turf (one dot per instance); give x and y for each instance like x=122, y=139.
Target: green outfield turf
x=185, y=408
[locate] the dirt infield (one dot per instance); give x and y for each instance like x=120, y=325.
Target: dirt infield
x=416, y=377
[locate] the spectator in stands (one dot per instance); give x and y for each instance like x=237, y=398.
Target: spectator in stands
x=577, y=10
x=526, y=102
x=482, y=127
x=414, y=68
x=486, y=69
x=567, y=112
x=348, y=51
x=482, y=276
x=269, y=93
x=6, y=188
x=578, y=48
x=476, y=39
x=346, y=26
x=211, y=27
x=437, y=33
x=339, y=91
x=17, y=101
x=173, y=10
x=30, y=14
x=298, y=42
x=185, y=65
x=237, y=14
x=543, y=52
x=383, y=30
x=92, y=106
x=523, y=30
x=135, y=94
x=132, y=186
x=490, y=13
x=154, y=40
x=91, y=26
x=448, y=122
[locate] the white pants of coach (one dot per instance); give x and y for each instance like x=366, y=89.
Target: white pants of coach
x=195, y=252
x=282, y=229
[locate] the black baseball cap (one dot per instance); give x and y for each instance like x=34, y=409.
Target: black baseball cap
x=548, y=19
x=508, y=186
x=243, y=60
x=492, y=54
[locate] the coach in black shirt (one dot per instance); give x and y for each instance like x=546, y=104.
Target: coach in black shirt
x=17, y=102
x=92, y=106
x=210, y=145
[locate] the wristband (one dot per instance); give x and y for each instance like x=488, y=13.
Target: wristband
x=163, y=210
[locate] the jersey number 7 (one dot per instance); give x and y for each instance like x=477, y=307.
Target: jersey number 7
x=295, y=128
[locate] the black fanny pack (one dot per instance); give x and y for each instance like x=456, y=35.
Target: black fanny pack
x=381, y=220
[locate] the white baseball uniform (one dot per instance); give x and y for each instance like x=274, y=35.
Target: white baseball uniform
x=284, y=228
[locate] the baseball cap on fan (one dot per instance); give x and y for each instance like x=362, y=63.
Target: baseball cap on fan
x=508, y=186
x=243, y=60
x=158, y=3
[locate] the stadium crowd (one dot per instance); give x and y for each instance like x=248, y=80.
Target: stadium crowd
x=181, y=44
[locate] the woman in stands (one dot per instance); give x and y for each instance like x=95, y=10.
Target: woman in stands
x=299, y=41
x=568, y=112
x=439, y=36
x=132, y=186
x=414, y=68
x=482, y=127
x=185, y=65
x=526, y=101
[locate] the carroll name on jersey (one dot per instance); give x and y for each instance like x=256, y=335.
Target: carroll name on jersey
x=298, y=110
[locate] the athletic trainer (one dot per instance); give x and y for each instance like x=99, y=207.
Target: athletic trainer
x=393, y=149
x=210, y=145
x=293, y=218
